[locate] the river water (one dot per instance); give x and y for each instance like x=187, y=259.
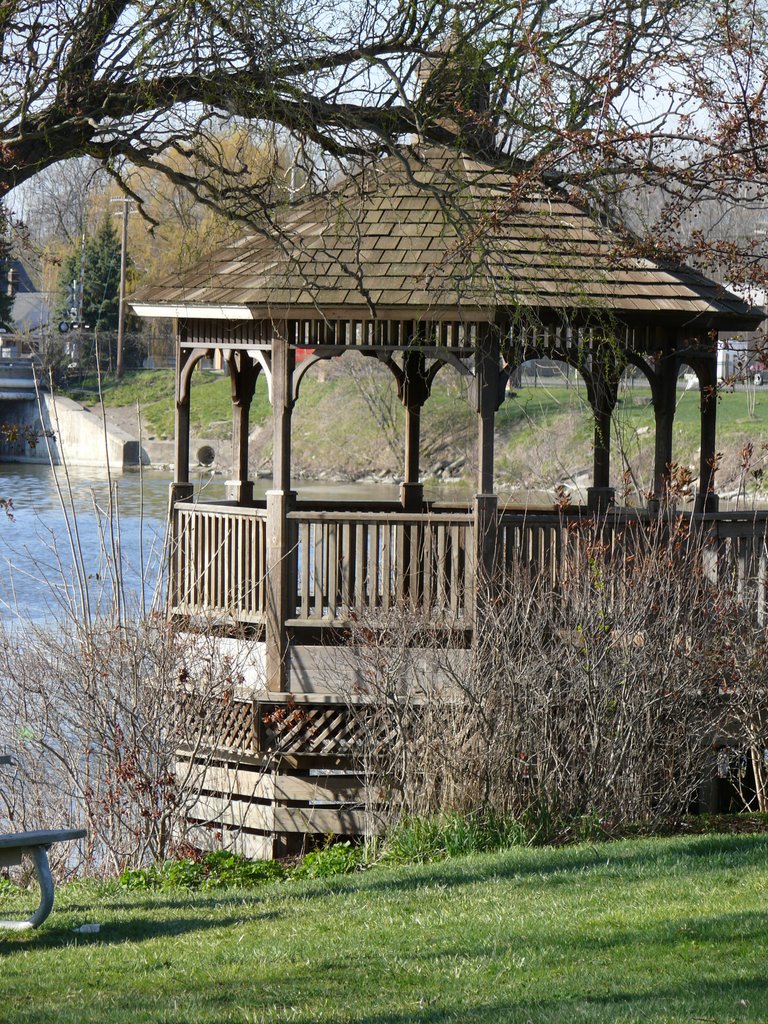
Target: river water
x=61, y=520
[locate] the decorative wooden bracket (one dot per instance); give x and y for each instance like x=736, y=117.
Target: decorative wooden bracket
x=473, y=392
x=189, y=359
x=264, y=359
x=320, y=353
x=243, y=374
x=414, y=378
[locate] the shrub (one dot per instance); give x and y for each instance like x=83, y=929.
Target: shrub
x=416, y=840
x=335, y=859
x=219, y=869
x=592, y=701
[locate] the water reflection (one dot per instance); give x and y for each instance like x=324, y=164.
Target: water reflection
x=60, y=521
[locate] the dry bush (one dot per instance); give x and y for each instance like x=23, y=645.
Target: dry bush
x=94, y=716
x=601, y=695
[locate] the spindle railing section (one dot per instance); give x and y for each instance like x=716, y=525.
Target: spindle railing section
x=733, y=546
x=343, y=564
x=346, y=564
x=218, y=561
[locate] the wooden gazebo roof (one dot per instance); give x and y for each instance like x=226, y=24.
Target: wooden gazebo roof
x=438, y=235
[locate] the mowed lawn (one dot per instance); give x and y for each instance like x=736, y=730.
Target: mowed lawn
x=648, y=930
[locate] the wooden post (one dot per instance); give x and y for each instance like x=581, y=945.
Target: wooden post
x=413, y=390
x=280, y=547
x=663, y=381
x=243, y=372
x=185, y=362
x=706, y=369
x=664, y=392
x=487, y=400
x=602, y=390
x=486, y=404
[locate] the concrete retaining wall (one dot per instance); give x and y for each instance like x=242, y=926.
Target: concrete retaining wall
x=78, y=435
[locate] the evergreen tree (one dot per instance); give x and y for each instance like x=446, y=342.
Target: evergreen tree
x=101, y=285
x=101, y=300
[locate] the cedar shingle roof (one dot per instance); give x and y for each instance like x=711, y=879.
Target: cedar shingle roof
x=435, y=233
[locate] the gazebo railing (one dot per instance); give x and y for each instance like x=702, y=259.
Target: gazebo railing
x=347, y=564
x=343, y=564
x=733, y=545
x=219, y=561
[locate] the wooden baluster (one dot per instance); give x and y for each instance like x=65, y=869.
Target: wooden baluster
x=427, y=565
x=386, y=565
x=346, y=568
x=374, y=539
x=332, y=572
x=400, y=564
x=360, y=567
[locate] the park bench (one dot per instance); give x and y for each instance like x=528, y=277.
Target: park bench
x=14, y=846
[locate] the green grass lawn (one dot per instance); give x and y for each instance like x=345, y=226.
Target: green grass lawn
x=655, y=930
x=154, y=391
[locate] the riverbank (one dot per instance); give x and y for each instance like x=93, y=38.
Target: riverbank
x=544, y=432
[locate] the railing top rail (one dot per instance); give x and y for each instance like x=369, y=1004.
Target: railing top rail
x=624, y=516
x=321, y=505
x=220, y=507
x=401, y=518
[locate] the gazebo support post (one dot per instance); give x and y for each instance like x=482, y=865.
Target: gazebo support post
x=706, y=370
x=487, y=400
x=664, y=399
x=602, y=390
x=411, y=489
x=413, y=389
x=279, y=501
x=181, y=487
x=663, y=383
x=243, y=373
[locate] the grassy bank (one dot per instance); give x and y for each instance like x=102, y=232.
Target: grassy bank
x=544, y=433
x=660, y=930
x=154, y=391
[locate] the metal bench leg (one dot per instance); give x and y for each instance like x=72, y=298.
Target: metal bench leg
x=42, y=870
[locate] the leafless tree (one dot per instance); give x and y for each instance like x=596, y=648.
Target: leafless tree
x=111, y=711
x=596, y=95
x=94, y=718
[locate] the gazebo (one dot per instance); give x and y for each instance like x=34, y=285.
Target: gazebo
x=425, y=260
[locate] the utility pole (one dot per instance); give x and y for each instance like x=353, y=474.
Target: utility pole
x=121, y=309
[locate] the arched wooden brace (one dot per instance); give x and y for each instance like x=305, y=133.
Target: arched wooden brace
x=322, y=353
x=601, y=372
x=187, y=361
x=704, y=363
x=243, y=374
x=414, y=381
x=662, y=377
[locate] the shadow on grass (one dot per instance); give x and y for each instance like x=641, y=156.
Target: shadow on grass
x=686, y=856
x=190, y=900
x=742, y=999
x=112, y=933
